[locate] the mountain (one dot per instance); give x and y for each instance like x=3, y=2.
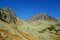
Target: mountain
x=41, y=16
x=40, y=28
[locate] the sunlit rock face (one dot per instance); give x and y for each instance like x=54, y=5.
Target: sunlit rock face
x=37, y=29
x=43, y=16
x=8, y=15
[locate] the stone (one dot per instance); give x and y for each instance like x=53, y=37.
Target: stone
x=43, y=16
x=7, y=15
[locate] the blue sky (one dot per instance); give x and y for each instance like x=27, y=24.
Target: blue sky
x=27, y=8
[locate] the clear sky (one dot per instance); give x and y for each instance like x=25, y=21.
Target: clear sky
x=27, y=8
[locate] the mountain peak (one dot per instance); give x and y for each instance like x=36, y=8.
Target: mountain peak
x=43, y=16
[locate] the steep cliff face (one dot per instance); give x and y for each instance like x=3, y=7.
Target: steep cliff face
x=13, y=28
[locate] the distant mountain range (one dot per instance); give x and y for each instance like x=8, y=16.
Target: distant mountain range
x=39, y=27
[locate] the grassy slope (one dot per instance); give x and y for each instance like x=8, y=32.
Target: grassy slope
x=28, y=31
x=36, y=27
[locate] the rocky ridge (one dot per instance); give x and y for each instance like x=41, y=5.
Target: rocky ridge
x=13, y=28
x=41, y=16
x=7, y=15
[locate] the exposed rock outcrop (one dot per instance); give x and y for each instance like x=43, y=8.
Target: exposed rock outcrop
x=43, y=16
x=8, y=15
x=40, y=29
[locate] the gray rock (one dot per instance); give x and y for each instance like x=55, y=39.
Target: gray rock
x=43, y=16
x=7, y=15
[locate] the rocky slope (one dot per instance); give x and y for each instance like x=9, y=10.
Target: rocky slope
x=41, y=16
x=13, y=28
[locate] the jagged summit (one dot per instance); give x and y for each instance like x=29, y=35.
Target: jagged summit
x=7, y=15
x=43, y=16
